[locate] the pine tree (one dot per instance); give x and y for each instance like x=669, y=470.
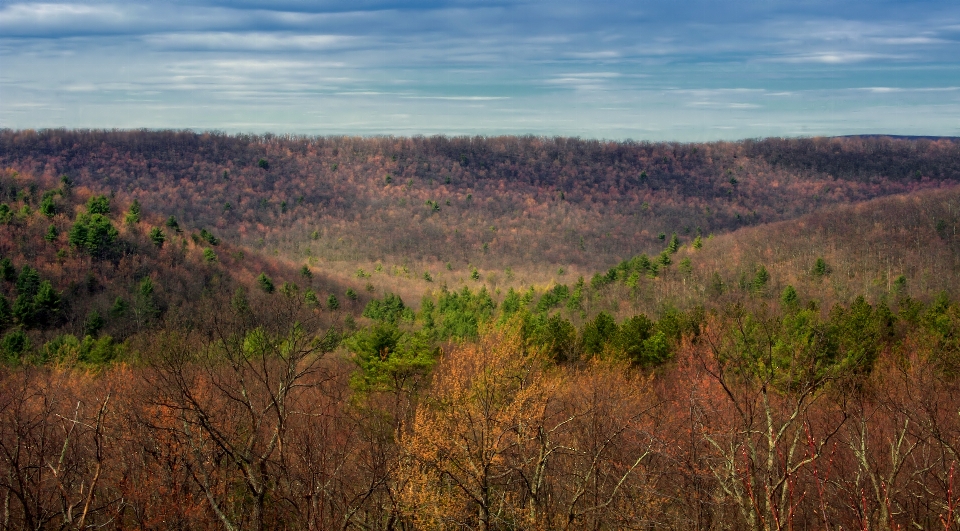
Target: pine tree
x=674, y=244
x=157, y=237
x=133, y=215
x=265, y=283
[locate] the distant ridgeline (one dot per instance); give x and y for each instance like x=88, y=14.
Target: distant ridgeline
x=478, y=202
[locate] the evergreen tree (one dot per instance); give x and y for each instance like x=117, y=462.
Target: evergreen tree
x=157, y=237
x=674, y=245
x=6, y=312
x=14, y=345
x=789, y=296
x=332, y=302
x=209, y=256
x=597, y=333
x=98, y=204
x=172, y=224
x=760, y=279
x=716, y=287
x=93, y=323
x=133, y=215
x=94, y=234
x=820, y=268
x=28, y=282
x=119, y=308
x=7, y=271
x=47, y=207
x=265, y=283
x=52, y=233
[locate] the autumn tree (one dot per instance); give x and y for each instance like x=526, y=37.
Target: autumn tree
x=476, y=415
x=234, y=400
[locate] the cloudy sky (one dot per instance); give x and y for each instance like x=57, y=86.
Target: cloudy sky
x=657, y=70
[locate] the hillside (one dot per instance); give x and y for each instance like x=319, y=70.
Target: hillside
x=883, y=249
x=445, y=205
x=73, y=262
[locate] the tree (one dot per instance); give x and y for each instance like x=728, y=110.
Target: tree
x=789, y=296
x=332, y=302
x=389, y=310
x=28, y=282
x=119, y=308
x=389, y=360
x=555, y=337
x=310, y=299
x=145, y=306
x=753, y=385
x=94, y=234
x=209, y=237
x=209, y=256
x=598, y=333
x=455, y=454
x=7, y=271
x=37, y=303
x=263, y=164
x=52, y=234
x=93, y=323
x=641, y=342
x=133, y=215
x=264, y=282
x=664, y=258
x=674, y=245
x=47, y=206
x=760, y=279
x=820, y=268
x=157, y=237
x=14, y=345
x=172, y=223
x=98, y=204
x=236, y=409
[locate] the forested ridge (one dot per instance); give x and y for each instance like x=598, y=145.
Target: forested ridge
x=203, y=331
x=511, y=201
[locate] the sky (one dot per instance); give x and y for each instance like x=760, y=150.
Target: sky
x=640, y=70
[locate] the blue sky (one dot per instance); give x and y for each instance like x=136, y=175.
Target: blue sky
x=653, y=70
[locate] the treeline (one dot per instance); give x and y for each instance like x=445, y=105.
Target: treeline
x=481, y=202
x=750, y=418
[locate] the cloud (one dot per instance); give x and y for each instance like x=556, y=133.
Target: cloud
x=606, y=54
x=584, y=81
x=908, y=41
x=43, y=18
x=889, y=90
x=458, y=98
x=249, y=41
x=838, y=57
x=541, y=66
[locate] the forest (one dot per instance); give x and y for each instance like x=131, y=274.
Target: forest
x=206, y=331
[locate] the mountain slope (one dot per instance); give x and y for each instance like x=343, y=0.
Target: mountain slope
x=491, y=203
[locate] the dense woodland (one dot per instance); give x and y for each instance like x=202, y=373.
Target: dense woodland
x=490, y=203
x=221, y=332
